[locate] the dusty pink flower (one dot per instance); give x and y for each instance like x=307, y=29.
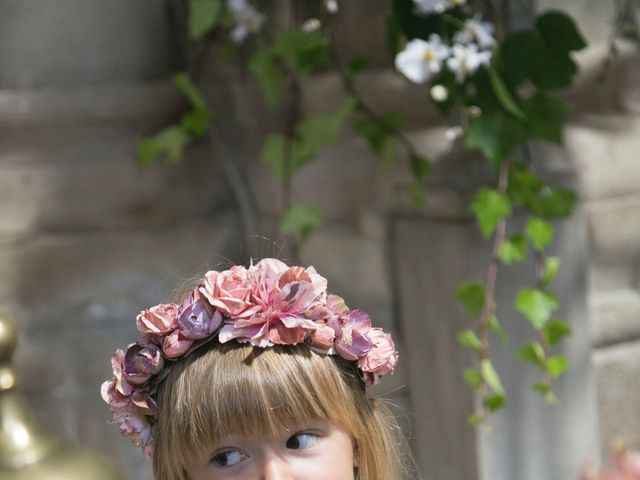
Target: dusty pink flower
x=229, y=291
x=141, y=362
x=197, y=317
x=282, y=295
x=176, y=344
x=158, y=321
x=351, y=330
x=137, y=428
x=322, y=338
x=625, y=465
x=121, y=385
x=381, y=359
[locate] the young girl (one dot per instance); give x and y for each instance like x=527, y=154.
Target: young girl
x=258, y=374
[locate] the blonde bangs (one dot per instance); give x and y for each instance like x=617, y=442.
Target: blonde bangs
x=238, y=389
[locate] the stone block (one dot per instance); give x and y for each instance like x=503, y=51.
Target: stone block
x=114, y=41
x=616, y=315
x=617, y=373
x=87, y=178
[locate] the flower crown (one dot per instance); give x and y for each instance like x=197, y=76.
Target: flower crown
x=264, y=305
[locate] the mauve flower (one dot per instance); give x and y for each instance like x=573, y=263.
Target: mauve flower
x=121, y=385
x=197, y=317
x=381, y=359
x=158, y=321
x=137, y=428
x=351, y=331
x=141, y=362
x=282, y=295
x=229, y=291
x=176, y=344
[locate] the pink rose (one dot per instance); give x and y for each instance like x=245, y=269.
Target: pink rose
x=322, y=339
x=197, y=317
x=176, y=344
x=228, y=291
x=159, y=321
x=381, y=359
x=137, y=428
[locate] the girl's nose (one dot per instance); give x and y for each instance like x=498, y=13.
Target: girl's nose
x=276, y=468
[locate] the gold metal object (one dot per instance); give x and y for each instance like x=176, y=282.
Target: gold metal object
x=25, y=451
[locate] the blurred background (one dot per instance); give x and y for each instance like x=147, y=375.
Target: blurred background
x=94, y=229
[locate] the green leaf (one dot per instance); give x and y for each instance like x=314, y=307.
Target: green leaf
x=544, y=117
x=471, y=294
x=551, y=267
x=273, y=155
x=491, y=377
x=475, y=419
x=473, y=378
x=542, y=387
x=355, y=66
x=469, y=339
x=557, y=365
x=495, y=326
x=416, y=193
x=301, y=219
x=560, y=32
x=302, y=51
x=495, y=135
x=266, y=66
x=376, y=131
x=536, y=305
x=204, y=15
x=420, y=166
x=503, y=94
x=317, y=131
x=170, y=143
x=558, y=203
x=540, y=232
x=490, y=207
x=532, y=353
x=494, y=402
x=556, y=330
x=514, y=249
x=196, y=122
x=185, y=85
x=389, y=153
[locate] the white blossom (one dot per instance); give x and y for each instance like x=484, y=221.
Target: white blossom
x=421, y=60
x=476, y=31
x=454, y=133
x=439, y=93
x=428, y=7
x=466, y=59
x=248, y=19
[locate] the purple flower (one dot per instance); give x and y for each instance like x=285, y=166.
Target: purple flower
x=141, y=362
x=351, y=330
x=197, y=318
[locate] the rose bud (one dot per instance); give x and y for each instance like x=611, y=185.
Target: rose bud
x=197, y=318
x=141, y=362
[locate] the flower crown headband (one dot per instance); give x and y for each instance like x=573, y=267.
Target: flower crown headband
x=264, y=305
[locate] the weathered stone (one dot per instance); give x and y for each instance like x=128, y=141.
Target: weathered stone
x=616, y=315
x=617, y=372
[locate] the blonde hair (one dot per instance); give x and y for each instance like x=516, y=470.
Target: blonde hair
x=239, y=389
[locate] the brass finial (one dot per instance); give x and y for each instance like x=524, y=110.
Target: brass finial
x=27, y=453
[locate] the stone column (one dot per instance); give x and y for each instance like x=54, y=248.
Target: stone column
x=89, y=237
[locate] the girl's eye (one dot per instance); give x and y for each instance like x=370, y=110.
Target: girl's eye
x=228, y=458
x=302, y=441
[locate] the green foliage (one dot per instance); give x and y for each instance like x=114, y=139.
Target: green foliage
x=301, y=219
x=556, y=330
x=560, y=31
x=490, y=206
x=473, y=378
x=532, y=353
x=471, y=294
x=540, y=232
x=169, y=143
x=558, y=203
x=355, y=66
x=490, y=376
x=204, y=15
x=504, y=95
x=544, y=117
x=378, y=132
x=265, y=65
x=495, y=134
x=514, y=249
x=420, y=166
x=469, y=339
x=494, y=325
x=287, y=156
x=183, y=83
x=551, y=267
x=494, y=402
x=557, y=365
x=536, y=305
